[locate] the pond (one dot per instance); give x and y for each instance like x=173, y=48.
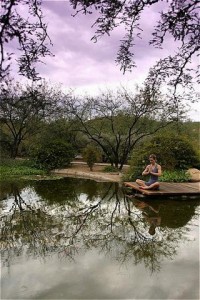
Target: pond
x=81, y=239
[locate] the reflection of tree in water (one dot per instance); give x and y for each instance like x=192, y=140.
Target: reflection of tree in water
x=179, y=216
x=69, y=190
x=26, y=224
x=78, y=215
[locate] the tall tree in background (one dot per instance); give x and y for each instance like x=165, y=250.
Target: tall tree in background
x=21, y=25
x=117, y=122
x=23, y=108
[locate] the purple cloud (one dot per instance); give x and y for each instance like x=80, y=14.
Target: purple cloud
x=84, y=65
x=76, y=53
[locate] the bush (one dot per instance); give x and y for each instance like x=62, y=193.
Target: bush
x=173, y=152
x=110, y=169
x=91, y=155
x=175, y=176
x=53, y=155
x=137, y=166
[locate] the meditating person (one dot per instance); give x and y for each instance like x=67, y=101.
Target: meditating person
x=154, y=170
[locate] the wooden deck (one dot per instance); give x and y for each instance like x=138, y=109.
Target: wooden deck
x=169, y=189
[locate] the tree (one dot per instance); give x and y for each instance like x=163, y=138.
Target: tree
x=117, y=122
x=26, y=27
x=178, y=18
x=23, y=108
x=58, y=129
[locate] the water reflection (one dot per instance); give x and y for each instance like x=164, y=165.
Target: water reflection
x=72, y=216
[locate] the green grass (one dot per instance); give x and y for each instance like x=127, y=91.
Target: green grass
x=17, y=168
x=167, y=176
x=175, y=176
x=110, y=169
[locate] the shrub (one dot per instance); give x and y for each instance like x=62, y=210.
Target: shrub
x=110, y=169
x=53, y=155
x=173, y=152
x=175, y=176
x=91, y=155
x=138, y=162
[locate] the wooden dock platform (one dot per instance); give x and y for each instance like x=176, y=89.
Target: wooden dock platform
x=169, y=189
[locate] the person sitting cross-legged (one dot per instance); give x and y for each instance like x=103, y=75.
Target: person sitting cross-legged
x=154, y=170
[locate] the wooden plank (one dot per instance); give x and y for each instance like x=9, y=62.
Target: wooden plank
x=178, y=188
x=193, y=185
x=168, y=188
x=164, y=186
x=175, y=187
x=183, y=187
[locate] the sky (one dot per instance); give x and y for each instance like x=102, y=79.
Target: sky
x=82, y=64
x=89, y=67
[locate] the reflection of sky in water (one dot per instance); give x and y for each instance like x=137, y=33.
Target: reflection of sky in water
x=94, y=276
x=95, y=272
x=28, y=194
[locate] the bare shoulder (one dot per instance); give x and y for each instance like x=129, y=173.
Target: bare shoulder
x=159, y=166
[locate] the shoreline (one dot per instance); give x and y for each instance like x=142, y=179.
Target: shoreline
x=97, y=176
x=80, y=169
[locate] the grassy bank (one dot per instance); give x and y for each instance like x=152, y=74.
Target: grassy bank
x=167, y=176
x=175, y=176
x=24, y=169
x=12, y=168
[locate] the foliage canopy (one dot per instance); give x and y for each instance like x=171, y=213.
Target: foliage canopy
x=177, y=18
x=173, y=152
x=54, y=154
x=21, y=21
x=117, y=122
x=21, y=110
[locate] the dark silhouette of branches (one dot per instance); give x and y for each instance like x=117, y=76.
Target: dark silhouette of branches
x=110, y=222
x=23, y=107
x=22, y=28
x=177, y=18
x=116, y=122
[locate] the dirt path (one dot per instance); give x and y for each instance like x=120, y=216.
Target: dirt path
x=81, y=170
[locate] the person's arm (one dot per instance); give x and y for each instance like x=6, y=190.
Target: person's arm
x=146, y=171
x=159, y=171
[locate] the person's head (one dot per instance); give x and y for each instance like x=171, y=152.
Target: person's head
x=152, y=229
x=152, y=158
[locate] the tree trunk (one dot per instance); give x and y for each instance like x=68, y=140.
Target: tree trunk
x=14, y=149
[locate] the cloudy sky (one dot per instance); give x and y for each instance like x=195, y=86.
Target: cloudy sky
x=88, y=67
x=85, y=65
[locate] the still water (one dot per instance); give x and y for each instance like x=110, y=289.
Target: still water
x=81, y=239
